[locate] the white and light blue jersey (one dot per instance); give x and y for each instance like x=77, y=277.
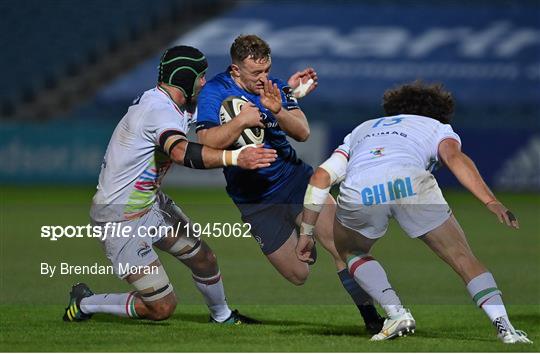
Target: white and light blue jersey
x=402, y=140
x=388, y=159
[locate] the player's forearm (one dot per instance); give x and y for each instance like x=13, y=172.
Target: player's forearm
x=197, y=156
x=294, y=123
x=468, y=175
x=222, y=136
x=194, y=155
x=316, y=195
x=212, y=158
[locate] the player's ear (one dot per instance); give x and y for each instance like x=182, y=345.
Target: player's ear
x=235, y=70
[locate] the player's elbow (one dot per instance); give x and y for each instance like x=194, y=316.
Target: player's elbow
x=320, y=179
x=178, y=153
x=202, y=137
x=302, y=135
x=209, y=137
x=449, y=151
x=453, y=159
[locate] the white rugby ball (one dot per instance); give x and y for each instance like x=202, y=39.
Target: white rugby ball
x=230, y=108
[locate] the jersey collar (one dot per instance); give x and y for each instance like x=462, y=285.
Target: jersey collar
x=178, y=109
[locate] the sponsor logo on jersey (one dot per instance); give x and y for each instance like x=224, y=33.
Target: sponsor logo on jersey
x=377, y=152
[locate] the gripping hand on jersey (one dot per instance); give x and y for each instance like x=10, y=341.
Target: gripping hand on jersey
x=303, y=82
x=253, y=156
x=270, y=97
x=250, y=116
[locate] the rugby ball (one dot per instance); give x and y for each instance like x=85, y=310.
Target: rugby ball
x=230, y=108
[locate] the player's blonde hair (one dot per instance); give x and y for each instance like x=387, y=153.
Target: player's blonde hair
x=249, y=45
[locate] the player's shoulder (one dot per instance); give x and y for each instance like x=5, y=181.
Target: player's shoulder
x=159, y=108
x=154, y=99
x=159, y=101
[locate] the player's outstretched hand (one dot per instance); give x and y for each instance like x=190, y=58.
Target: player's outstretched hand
x=270, y=97
x=303, y=82
x=253, y=157
x=503, y=214
x=303, y=248
x=250, y=116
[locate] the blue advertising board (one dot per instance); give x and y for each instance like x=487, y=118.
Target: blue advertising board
x=484, y=53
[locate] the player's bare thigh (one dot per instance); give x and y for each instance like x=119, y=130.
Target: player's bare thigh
x=285, y=260
x=448, y=241
x=287, y=264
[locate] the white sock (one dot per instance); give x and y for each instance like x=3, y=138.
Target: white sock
x=486, y=295
x=122, y=305
x=370, y=275
x=214, y=295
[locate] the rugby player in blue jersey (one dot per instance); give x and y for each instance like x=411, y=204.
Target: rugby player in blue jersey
x=271, y=198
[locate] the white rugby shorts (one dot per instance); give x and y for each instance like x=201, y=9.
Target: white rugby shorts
x=368, y=199
x=137, y=249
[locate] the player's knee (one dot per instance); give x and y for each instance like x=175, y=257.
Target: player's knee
x=297, y=281
x=205, y=261
x=298, y=277
x=161, y=310
x=209, y=257
x=464, y=261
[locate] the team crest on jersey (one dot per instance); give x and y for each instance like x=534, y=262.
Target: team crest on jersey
x=144, y=249
x=377, y=152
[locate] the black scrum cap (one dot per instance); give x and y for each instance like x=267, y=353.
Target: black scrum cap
x=181, y=67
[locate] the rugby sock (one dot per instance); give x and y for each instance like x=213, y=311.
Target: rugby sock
x=363, y=301
x=370, y=275
x=117, y=304
x=214, y=294
x=486, y=295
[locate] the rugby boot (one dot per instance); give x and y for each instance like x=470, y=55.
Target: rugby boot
x=396, y=327
x=73, y=311
x=236, y=318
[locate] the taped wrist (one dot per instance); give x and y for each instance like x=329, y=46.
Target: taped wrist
x=193, y=157
x=302, y=88
x=306, y=229
x=230, y=157
x=315, y=197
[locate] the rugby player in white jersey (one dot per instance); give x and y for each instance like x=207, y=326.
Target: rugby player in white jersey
x=385, y=166
x=148, y=139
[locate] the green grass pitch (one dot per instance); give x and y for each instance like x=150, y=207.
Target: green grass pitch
x=318, y=316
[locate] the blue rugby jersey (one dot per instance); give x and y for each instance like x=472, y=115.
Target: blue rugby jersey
x=247, y=186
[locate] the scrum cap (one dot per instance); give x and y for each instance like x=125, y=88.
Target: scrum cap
x=181, y=67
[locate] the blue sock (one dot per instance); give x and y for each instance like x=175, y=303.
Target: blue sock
x=362, y=300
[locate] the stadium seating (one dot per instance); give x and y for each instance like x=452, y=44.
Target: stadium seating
x=46, y=43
